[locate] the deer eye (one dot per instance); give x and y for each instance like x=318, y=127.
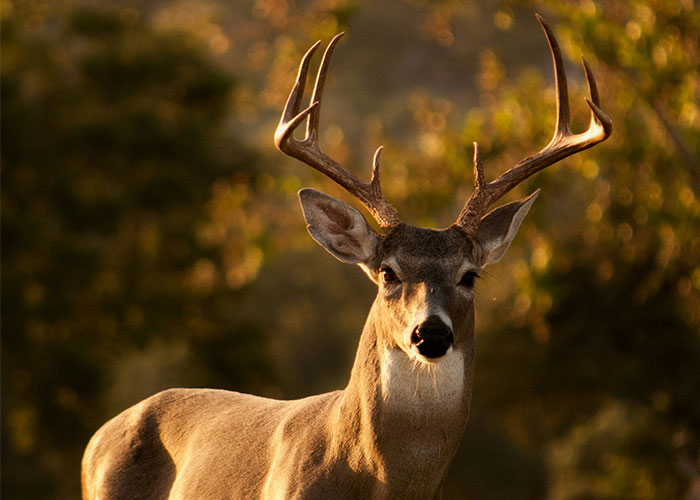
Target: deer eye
x=388, y=275
x=468, y=279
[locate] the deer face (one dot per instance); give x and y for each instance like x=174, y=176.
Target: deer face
x=424, y=306
x=426, y=288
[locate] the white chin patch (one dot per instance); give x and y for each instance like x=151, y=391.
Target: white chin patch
x=410, y=381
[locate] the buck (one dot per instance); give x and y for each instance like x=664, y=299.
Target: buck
x=393, y=431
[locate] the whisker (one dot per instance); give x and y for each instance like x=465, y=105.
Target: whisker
x=433, y=371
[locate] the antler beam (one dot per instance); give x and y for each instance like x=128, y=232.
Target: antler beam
x=562, y=144
x=309, y=151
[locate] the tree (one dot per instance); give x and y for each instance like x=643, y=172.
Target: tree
x=112, y=287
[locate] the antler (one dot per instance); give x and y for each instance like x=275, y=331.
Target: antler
x=563, y=143
x=308, y=150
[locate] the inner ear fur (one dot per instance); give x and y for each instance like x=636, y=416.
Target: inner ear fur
x=338, y=227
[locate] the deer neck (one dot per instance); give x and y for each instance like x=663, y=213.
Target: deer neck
x=401, y=419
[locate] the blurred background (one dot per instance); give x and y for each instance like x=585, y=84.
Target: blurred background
x=151, y=235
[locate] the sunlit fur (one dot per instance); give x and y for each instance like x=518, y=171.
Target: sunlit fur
x=390, y=434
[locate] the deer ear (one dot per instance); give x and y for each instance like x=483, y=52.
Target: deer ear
x=338, y=227
x=498, y=228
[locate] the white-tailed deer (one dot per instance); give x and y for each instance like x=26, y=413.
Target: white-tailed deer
x=392, y=432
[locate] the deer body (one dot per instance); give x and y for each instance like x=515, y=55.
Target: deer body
x=392, y=432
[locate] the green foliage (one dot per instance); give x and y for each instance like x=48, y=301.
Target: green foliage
x=621, y=452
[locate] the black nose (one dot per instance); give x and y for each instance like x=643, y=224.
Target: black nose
x=432, y=337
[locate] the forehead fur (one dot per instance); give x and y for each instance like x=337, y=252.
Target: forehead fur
x=409, y=242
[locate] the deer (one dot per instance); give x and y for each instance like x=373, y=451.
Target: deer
x=392, y=432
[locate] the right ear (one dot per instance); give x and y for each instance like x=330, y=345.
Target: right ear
x=498, y=228
x=338, y=227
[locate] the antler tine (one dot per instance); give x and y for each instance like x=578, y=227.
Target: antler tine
x=317, y=95
x=291, y=118
x=308, y=150
x=562, y=144
x=560, y=86
x=374, y=180
x=478, y=168
x=598, y=117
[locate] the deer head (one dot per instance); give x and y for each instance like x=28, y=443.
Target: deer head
x=425, y=277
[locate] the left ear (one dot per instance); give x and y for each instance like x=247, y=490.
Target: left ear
x=498, y=228
x=338, y=227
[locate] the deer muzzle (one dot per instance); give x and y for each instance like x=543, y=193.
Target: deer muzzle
x=433, y=338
